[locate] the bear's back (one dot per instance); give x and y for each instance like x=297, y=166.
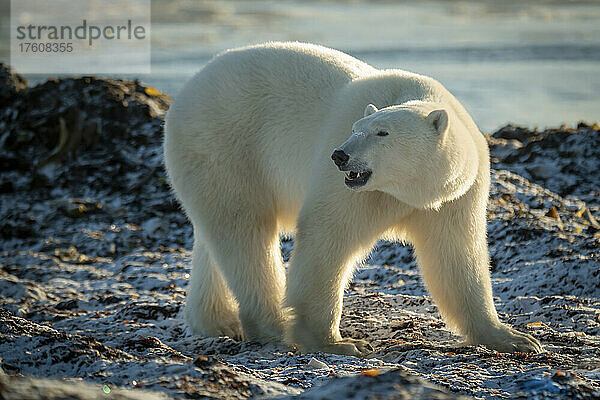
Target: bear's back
x=314, y=65
x=265, y=103
x=273, y=84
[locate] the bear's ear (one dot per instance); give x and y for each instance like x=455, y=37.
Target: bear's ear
x=370, y=109
x=439, y=120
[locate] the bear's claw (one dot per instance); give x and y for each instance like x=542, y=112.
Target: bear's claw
x=526, y=343
x=507, y=340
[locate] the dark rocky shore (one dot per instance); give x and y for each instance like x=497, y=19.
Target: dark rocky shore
x=95, y=252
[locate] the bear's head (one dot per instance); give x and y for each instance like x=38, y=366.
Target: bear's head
x=418, y=152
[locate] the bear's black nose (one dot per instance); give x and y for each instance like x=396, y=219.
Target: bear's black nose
x=339, y=157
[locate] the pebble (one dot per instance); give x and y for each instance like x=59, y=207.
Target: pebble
x=314, y=363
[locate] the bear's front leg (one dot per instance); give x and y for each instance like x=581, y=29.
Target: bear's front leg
x=333, y=232
x=451, y=249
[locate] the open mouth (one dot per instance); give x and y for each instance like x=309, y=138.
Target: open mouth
x=354, y=179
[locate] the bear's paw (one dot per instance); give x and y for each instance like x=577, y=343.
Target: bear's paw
x=507, y=340
x=208, y=325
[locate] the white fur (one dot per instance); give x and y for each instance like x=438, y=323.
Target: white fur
x=247, y=148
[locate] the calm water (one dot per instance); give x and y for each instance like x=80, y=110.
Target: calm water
x=535, y=63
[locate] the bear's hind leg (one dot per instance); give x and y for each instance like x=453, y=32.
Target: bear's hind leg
x=249, y=257
x=210, y=308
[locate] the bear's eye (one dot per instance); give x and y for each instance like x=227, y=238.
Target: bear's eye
x=382, y=133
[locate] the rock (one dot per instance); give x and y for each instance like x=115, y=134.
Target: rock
x=314, y=363
x=394, y=384
x=20, y=387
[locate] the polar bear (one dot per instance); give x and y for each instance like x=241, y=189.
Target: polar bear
x=249, y=144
